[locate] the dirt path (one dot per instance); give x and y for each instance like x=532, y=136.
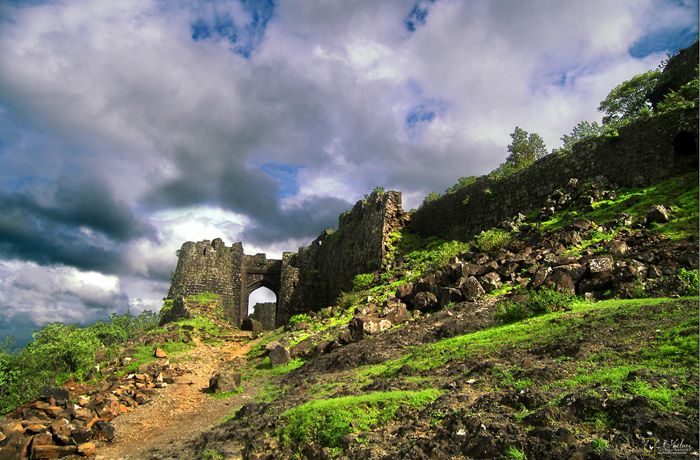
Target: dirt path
x=179, y=412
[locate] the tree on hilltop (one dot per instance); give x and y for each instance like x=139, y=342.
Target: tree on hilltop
x=629, y=99
x=525, y=148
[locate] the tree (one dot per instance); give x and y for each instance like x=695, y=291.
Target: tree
x=629, y=99
x=583, y=130
x=525, y=148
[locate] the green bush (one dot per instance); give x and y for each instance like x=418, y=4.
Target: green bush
x=300, y=318
x=492, y=240
x=685, y=98
x=689, y=281
x=64, y=349
x=535, y=303
x=362, y=281
x=109, y=333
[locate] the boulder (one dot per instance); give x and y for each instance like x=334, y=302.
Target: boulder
x=658, y=214
x=396, y=312
x=574, y=270
x=582, y=224
x=302, y=349
x=491, y=281
x=59, y=395
x=471, y=288
x=425, y=300
x=82, y=413
x=103, y=431
x=448, y=295
x=617, y=247
x=540, y=275
x=51, y=451
x=87, y=449
x=362, y=326
x=225, y=380
x=42, y=439
x=81, y=434
x=279, y=355
x=159, y=353
x=404, y=290
x=601, y=264
x=560, y=281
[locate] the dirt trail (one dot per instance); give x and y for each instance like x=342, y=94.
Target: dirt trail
x=179, y=412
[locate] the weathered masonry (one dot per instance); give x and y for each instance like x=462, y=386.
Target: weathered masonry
x=307, y=280
x=211, y=266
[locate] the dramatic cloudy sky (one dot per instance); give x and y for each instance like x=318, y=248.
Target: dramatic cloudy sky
x=128, y=127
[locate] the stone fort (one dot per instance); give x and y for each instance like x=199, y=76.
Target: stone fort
x=312, y=278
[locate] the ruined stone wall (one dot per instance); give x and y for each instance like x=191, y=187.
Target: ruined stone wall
x=265, y=313
x=315, y=276
x=644, y=152
x=210, y=267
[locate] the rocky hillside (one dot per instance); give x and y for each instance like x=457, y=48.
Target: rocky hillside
x=568, y=333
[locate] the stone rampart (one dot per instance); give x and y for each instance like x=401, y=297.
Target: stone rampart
x=645, y=152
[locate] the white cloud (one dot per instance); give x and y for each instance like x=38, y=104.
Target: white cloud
x=120, y=93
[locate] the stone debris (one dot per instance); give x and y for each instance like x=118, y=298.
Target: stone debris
x=60, y=424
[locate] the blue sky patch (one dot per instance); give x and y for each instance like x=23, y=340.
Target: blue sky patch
x=422, y=115
x=244, y=39
x=285, y=175
x=418, y=15
x=670, y=40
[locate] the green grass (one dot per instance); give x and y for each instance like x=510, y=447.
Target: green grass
x=532, y=332
x=143, y=354
x=515, y=453
x=227, y=394
x=680, y=194
x=205, y=297
x=326, y=421
x=492, y=240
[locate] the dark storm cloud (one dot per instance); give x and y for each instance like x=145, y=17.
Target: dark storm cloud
x=79, y=224
x=299, y=222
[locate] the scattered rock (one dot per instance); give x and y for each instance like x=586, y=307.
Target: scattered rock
x=658, y=214
x=51, y=451
x=159, y=353
x=471, y=288
x=225, y=380
x=87, y=449
x=425, y=300
x=279, y=355
x=600, y=265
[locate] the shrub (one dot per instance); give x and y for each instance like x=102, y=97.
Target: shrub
x=347, y=300
x=689, y=281
x=685, y=98
x=492, y=240
x=64, y=348
x=461, y=183
x=109, y=333
x=533, y=304
x=362, y=281
x=300, y=318
x=432, y=196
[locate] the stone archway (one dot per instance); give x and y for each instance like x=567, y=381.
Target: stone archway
x=258, y=271
x=262, y=307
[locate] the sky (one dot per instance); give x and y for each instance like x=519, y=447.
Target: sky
x=130, y=127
